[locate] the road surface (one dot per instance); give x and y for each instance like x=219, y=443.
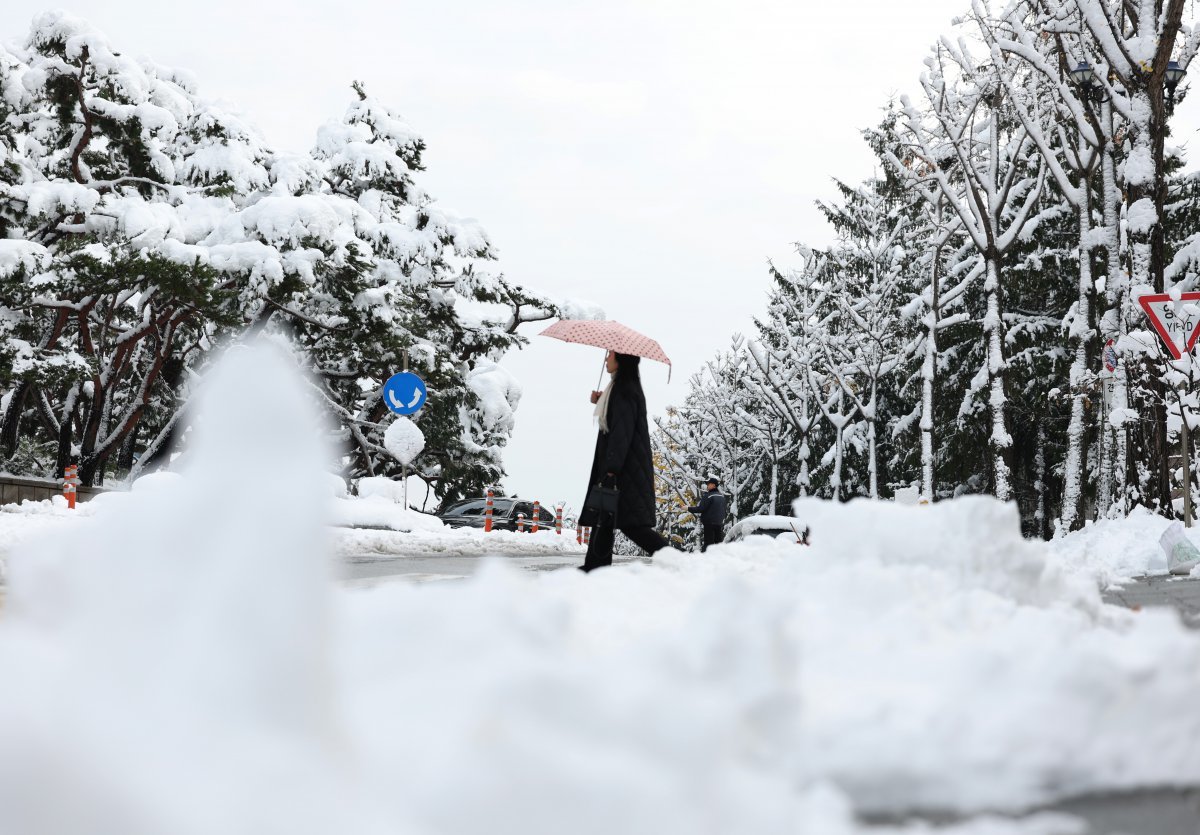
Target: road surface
x=366, y=570
x=1183, y=593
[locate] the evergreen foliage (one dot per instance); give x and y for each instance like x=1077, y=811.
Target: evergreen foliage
x=141, y=227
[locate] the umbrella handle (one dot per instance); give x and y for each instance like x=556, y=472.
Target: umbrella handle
x=603, y=368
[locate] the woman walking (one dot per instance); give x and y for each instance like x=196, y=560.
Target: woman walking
x=622, y=460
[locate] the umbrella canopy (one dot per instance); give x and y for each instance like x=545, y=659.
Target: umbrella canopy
x=607, y=334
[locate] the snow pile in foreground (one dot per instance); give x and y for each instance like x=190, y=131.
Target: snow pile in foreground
x=194, y=670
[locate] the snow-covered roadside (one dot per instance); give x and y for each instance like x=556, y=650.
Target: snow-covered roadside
x=365, y=527
x=1115, y=550
x=373, y=524
x=397, y=532
x=380, y=512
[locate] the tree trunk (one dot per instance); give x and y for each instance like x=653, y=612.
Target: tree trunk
x=836, y=480
x=1118, y=286
x=1145, y=251
x=999, y=440
x=872, y=463
x=158, y=450
x=1039, y=515
x=774, y=483
x=66, y=454
x=128, y=448
x=10, y=424
x=1080, y=335
x=929, y=379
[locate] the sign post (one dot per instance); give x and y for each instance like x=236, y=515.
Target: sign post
x=1108, y=380
x=405, y=394
x=1187, y=466
x=1177, y=323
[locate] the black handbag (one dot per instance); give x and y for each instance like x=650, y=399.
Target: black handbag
x=602, y=500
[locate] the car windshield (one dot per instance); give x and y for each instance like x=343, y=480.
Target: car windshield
x=476, y=507
x=788, y=535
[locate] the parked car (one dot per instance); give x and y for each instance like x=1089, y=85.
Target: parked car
x=469, y=513
x=783, y=528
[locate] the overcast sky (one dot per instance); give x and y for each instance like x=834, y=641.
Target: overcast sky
x=648, y=156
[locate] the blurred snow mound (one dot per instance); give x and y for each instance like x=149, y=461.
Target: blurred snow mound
x=156, y=481
x=161, y=662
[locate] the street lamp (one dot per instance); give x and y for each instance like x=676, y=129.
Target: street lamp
x=1173, y=75
x=1085, y=80
x=1171, y=78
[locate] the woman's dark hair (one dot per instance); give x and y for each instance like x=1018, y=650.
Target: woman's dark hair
x=628, y=367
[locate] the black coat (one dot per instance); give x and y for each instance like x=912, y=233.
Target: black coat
x=711, y=509
x=625, y=450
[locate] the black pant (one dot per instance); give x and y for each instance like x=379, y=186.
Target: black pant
x=600, y=546
x=712, y=535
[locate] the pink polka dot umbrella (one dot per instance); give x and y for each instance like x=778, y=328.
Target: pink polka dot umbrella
x=610, y=335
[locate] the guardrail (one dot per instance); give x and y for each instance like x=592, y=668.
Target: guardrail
x=17, y=489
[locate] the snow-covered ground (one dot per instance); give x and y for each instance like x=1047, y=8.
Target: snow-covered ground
x=177, y=660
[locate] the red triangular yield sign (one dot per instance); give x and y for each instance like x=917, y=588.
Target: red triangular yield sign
x=1177, y=325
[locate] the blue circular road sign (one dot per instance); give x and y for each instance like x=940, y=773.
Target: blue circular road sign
x=404, y=393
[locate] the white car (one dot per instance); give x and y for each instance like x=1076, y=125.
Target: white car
x=783, y=528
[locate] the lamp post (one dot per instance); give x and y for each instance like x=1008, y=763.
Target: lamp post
x=1082, y=74
x=1085, y=79
x=1174, y=74
x=1171, y=78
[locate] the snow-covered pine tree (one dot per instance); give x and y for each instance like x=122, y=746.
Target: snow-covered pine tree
x=426, y=292
x=107, y=164
x=143, y=226
x=869, y=265
x=777, y=376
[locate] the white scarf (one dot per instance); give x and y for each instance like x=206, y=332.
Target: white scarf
x=602, y=406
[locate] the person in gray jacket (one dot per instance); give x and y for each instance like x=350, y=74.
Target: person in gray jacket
x=711, y=511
